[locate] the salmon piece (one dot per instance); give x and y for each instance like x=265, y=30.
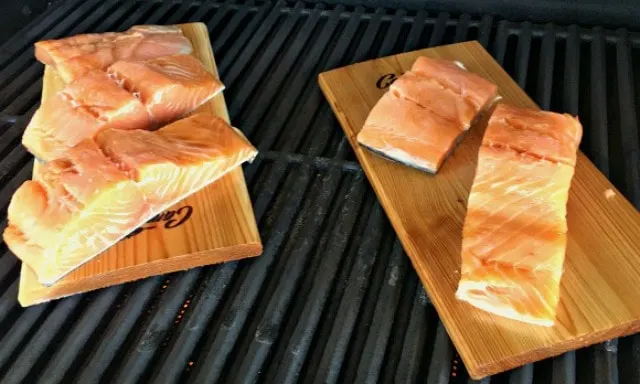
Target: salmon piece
x=81, y=110
x=433, y=96
x=446, y=89
x=130, y=95
x=542, y=140
x=106, y=187
x=513, y=187
x=186, y=155
x=79, y=206
x=400, y=129
x=515, y=230
x=75, y=56
x=473, y=88
x=514, y=293
x=167, y=86
x=422, y=117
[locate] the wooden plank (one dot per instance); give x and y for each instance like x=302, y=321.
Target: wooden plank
x=215, y=225
x=599, y=295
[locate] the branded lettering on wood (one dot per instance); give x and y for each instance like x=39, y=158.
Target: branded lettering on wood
x=386, y=80
x=171, y=219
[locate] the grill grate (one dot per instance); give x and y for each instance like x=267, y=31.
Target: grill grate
x=333, y=298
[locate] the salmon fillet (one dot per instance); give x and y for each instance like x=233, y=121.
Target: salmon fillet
x=435, y=98
x=474, y=89
x=74, y=56
x=422, y=117
x=130, y=95
x=515, y=230
x=167, y=86
x=400, y=129
x=106, y=187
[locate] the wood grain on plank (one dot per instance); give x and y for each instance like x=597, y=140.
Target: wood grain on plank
x=214, y=225
x=600, y=293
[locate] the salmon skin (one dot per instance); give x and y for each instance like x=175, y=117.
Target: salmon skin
x=129, y=95
x=515, y=230
x=75, y=56
x=425, y=113
x=106, y=187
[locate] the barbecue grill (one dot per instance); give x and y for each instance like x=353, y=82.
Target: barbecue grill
x=333, y=297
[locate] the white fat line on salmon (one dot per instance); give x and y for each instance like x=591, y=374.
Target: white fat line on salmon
x=400, y=96
x=527, y=154
x=479, y=113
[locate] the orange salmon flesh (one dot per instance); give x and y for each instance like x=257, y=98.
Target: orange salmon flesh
x=105, y=187
x=424, y=114
x=75, y=56
x=515, y=230
x=129, y=95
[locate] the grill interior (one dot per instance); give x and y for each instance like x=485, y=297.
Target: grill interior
x=333, y=298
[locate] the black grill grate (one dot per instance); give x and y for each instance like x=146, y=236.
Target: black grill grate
x=333, y=298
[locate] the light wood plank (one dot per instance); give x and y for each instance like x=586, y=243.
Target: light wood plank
x=600, y=298
x=221, y=226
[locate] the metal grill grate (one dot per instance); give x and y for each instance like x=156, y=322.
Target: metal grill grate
x=325, y=302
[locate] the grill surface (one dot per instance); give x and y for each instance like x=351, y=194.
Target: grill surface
x=333, y=298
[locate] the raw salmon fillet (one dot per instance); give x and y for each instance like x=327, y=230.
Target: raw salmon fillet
x=406, y=132
x=129, y=95
x=515, y=230
x=106, y=187
x=167, y=86
x=75, y=56
x=425, y=112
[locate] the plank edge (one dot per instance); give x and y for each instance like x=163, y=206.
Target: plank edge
x=28, y=297
x=480, y=371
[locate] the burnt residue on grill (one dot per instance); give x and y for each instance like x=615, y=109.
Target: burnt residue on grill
x=333, y=298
